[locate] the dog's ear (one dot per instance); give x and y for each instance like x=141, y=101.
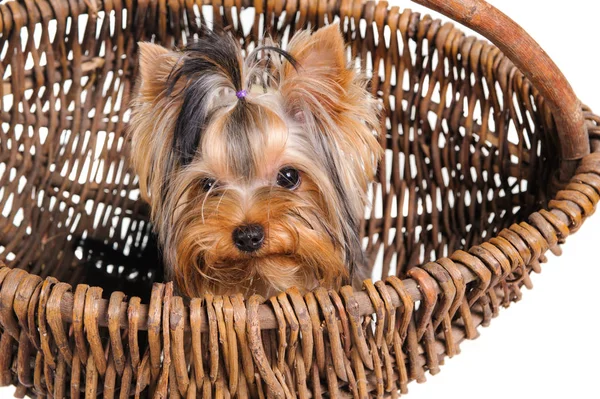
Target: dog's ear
x=155, y=66
x=150, y=151
x=321, y=74
x=322, y=51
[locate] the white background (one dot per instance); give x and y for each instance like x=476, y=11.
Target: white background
x=548, y=344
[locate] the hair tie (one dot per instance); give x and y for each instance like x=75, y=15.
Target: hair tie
x=241, y=94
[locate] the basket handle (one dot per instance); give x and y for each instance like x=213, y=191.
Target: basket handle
x=536, y=65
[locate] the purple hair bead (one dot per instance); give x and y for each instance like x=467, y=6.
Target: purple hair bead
x=241, y=94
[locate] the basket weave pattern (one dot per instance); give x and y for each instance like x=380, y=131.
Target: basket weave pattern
x=466, y=212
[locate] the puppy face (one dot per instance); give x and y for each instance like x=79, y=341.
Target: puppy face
x=256, y=170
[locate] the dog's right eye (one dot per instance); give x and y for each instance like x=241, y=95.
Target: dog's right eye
x=207, y=184
x=289, y=178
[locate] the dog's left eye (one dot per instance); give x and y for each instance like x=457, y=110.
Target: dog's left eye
x=207, y=184
x=289, y=178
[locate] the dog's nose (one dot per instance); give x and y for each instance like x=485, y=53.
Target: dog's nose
x=249, y=238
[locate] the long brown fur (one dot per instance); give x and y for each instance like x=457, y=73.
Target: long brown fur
x=315, y=116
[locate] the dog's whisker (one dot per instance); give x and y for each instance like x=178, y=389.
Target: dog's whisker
x=221, y=200
x=206, y=196
x=269, y=213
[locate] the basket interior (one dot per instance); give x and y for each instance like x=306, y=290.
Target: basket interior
x=469, y=145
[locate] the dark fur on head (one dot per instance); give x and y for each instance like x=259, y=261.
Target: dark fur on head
x=211, y=162
x=215, y=53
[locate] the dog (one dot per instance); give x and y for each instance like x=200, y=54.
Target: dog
x=256, y=168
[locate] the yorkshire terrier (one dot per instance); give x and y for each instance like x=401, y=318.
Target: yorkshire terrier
x=256, y=168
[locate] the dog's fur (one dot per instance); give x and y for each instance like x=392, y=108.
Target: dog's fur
x=304, y=109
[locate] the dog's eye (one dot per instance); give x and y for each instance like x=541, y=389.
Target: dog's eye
x=207, y=184
x=288, y=178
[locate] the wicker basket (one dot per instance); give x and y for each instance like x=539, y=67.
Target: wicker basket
x=488, y=166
